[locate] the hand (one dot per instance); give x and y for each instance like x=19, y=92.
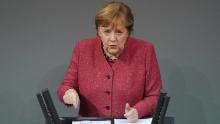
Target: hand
x=131, y=114
x=71, y=97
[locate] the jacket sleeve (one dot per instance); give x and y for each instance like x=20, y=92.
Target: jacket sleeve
x=153, y=85
x=70, y=78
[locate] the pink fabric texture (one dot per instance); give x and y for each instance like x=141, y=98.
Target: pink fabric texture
x=103, y=89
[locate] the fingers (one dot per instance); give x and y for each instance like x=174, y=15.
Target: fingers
x=127, y=107
x=131, y=114
x=76, y=103
x=71, y=97
x=66, y=99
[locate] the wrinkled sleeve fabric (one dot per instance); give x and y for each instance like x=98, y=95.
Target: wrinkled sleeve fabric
x=153, y=85
x=70, y=78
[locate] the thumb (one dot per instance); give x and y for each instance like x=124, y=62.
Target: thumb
x=127, y=108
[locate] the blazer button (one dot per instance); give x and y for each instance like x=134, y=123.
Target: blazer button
x=107, y=92
x=108, y=76
x=107, y=107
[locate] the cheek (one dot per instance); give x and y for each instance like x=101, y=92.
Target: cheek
x=104, y=39
x=122, y=42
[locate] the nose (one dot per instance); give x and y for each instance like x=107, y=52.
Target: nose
x=113, y=37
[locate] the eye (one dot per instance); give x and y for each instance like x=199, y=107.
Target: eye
x=107, y=31
x=119, y=31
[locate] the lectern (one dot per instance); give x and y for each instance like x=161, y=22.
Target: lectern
x=51, y=116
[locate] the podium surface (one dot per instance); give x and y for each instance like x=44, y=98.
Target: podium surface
x=68, y=120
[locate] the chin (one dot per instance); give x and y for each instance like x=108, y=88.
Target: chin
x=113, y=51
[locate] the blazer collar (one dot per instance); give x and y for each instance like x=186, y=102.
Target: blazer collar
x=125, y=53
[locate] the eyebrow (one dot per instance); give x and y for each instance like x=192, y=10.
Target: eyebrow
x=106, y=27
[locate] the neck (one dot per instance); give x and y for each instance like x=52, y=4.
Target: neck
x=109, y=55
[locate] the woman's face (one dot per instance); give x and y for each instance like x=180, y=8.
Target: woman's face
x=113, y=38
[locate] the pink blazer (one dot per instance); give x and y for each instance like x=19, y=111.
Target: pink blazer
x=103, y=89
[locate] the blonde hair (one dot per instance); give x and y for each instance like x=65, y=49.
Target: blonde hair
x=114, y=13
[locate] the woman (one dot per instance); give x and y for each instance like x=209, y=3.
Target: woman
x=113, y=74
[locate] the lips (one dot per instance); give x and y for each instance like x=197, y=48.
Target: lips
x=113, y=46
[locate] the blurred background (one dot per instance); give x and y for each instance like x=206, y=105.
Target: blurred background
x=37, y=39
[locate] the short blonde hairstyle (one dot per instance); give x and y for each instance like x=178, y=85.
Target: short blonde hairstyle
x=114, y=13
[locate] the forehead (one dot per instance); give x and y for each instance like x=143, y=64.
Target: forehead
x=113, y=28
x=113, y=23
x=118, y=26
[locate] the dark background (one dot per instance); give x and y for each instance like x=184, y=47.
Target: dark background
x=37, y=38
